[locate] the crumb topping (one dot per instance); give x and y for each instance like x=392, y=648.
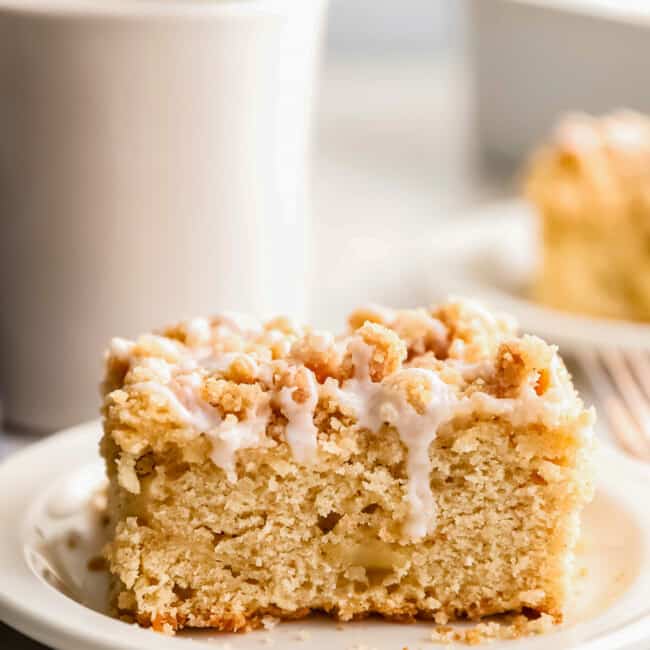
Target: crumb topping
x=232, y=383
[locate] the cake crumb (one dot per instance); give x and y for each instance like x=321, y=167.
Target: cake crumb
x=267, y=640
x=487, y=632
x=303, y=635
x=441, y=618
x=269, y=622
x=97, y=563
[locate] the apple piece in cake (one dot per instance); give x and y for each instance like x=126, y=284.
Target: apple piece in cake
x=591, y=187
x=427, y=463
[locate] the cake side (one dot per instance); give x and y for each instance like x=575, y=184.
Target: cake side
x=427, y=463
x=590, y=185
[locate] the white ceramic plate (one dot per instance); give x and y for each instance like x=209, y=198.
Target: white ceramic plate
x=491, y=254
x=47, y=592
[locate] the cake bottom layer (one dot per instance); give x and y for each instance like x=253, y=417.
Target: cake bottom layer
x=193, y=550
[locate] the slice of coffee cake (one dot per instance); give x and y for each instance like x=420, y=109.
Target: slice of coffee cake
x=590, y=185
x=429, y=463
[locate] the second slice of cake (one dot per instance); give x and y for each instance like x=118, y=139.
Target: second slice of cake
x=428, y=462
x=590, y=185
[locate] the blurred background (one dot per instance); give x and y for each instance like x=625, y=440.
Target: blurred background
x=395, y=146
x=418, y=27
x=431, y=107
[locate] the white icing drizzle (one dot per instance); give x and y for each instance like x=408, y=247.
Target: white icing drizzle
x=181, y=396
x=376, y=403
x=159, y=367
x=121, y=349
x=173, y=382
x=471, y=371
x=360, y=394
x=205, y=415
x=528, y=406
x=232, y=434
x=169, y=349
x=301, y=432
x=417, y=431
x=198, y=332
x=220, y=362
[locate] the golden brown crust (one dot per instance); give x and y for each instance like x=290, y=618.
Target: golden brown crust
x=247, y=622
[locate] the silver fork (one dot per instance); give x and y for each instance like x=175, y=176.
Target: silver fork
x=621, y=382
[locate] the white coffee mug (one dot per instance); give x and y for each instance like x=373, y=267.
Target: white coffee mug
x=152, y=167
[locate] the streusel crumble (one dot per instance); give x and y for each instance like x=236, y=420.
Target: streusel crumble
x=427, y=463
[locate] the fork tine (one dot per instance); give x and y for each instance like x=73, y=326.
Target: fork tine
x=624, y=429
x=628, y=389
x=622, y=426
x=597, y=376
x=641, y=366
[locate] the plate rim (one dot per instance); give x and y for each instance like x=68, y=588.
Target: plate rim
x=66, y=624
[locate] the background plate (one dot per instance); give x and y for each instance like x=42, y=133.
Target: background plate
x=491, y=255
